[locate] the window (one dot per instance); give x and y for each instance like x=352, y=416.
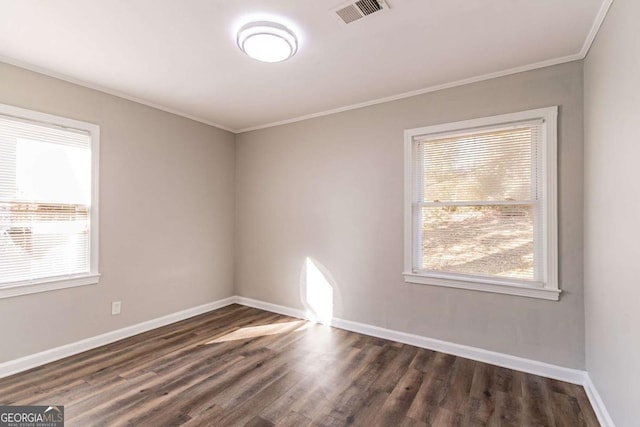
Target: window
x=48, y=202
x=480, y=200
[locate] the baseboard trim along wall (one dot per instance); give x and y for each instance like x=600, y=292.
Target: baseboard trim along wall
x=596, y=402
x=569, y=375
x=573, y=376
x=28, y=362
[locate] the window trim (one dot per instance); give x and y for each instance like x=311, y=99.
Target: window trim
x=46, y=284
x=548, y=288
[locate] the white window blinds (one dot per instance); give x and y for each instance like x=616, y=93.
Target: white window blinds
x=477, y=202
x=45, y=201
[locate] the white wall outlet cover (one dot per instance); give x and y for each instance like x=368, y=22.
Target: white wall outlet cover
x=116, y=307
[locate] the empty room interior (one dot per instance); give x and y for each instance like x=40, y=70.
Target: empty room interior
x=319, y=213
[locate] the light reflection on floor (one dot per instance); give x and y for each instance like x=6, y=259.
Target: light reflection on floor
x=261, y=331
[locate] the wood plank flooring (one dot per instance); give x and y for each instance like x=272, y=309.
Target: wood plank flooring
x=239, y=366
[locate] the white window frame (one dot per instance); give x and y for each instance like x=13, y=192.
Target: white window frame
x=45, y=284
x=547, y=287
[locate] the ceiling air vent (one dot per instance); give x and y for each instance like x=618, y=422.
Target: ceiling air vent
x=356, y=10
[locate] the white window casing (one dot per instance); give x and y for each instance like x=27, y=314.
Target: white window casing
x=481, y=204
x=48, y=202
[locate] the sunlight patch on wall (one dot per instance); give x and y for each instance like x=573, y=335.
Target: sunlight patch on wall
x=317, y=293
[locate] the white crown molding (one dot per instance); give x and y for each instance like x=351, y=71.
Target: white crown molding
x=515, y=70
x=591, y=36
x=103, y=89
x=575, y=57
x=595, y=28
x=597, y=403
x=24, y=363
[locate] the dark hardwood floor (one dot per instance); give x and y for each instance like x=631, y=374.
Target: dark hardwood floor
x=242, y=366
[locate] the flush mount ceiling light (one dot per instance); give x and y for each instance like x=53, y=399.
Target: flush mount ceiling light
x=267, y=41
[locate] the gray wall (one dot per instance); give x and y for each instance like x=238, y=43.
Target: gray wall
x=612, y=206
x=328, y=188
x=331, y=188
x=166, y=217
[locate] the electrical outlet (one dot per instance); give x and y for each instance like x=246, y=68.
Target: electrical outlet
x=116, y=307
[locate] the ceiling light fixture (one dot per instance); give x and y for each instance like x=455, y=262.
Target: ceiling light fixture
x=267, y=41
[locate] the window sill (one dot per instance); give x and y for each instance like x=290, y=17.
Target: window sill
x=47, y=284
x=486, y=286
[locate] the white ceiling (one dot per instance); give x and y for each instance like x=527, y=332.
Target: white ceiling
x=180, y=55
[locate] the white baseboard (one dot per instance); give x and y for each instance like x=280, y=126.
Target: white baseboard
x=274, y=308
x=535, y=367
x=547, y=370
x=574, y=376
x=597, y=403
x=24, y=363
